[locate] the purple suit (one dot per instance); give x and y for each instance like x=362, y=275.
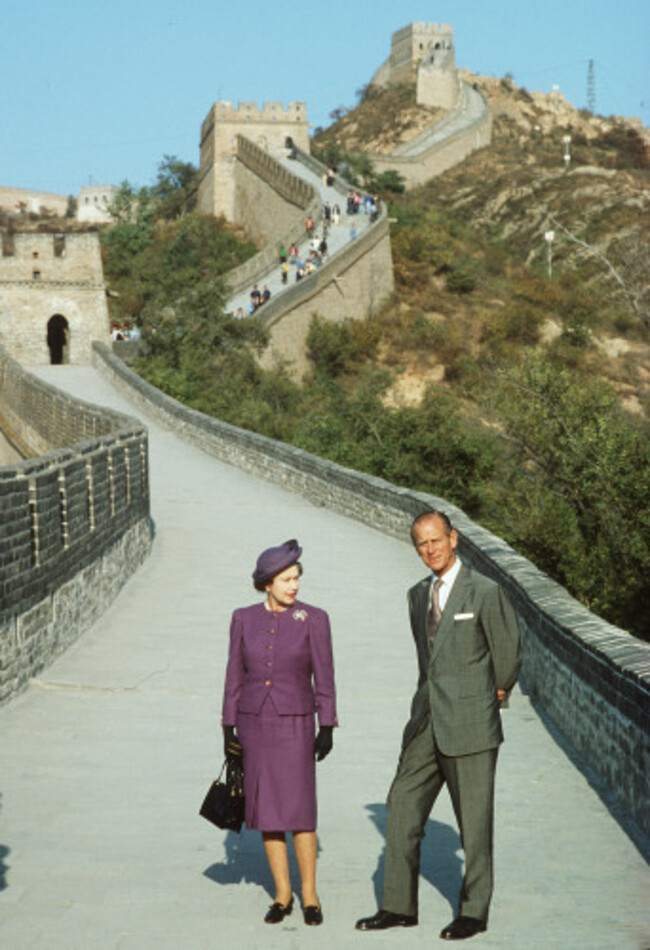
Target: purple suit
x=280, y=674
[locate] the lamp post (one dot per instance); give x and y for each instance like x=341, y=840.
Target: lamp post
x=549, y=237
x=567, y=154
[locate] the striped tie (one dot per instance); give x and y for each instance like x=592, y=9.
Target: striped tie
x=433, y=618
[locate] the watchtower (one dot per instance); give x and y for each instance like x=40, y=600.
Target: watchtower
x=423, y=53
x=52, y=297
x=270, y=127
x=411, y=45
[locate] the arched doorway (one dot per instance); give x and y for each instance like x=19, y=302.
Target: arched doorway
x=58, y=339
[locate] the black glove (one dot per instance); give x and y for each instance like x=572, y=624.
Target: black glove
x=323, y=742
x=232, y=748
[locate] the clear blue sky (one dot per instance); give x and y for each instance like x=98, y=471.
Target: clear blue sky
x=99, y=91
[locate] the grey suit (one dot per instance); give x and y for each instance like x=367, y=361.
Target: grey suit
x=452, y=736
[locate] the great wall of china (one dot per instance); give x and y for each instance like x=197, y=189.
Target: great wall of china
x=76, y=514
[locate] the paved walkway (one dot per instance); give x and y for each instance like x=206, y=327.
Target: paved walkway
x=471, y=107
x=104, y=760
x=338, y=237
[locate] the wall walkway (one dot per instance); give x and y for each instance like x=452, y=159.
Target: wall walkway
x=120, y=737
x=592, y=678
x=445, y=143
x=351, y=284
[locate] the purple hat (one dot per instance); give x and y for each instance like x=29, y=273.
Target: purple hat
x=275, y=560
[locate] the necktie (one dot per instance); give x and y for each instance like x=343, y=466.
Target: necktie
x=433, y=619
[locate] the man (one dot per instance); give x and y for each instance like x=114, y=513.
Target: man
x=467, y=642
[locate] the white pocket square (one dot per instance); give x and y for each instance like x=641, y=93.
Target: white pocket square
x=463, y=616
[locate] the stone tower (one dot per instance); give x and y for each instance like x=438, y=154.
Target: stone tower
x=438, y=83
x=423, y=53
x=52, y=297
x=269, y=127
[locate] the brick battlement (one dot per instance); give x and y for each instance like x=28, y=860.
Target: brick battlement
x=249, y=112
x=75, y=519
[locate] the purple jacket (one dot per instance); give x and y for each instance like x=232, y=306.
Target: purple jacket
x=287, y=655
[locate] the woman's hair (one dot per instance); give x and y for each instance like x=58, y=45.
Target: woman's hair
x=261, y=585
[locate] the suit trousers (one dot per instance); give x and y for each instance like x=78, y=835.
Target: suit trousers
x=421, y=772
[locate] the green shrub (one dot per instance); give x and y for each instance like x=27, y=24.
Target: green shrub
x=461, y=280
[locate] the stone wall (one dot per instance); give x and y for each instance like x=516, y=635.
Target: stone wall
x=443, y=153
x=30, y=201
x=267, y=127
x=351, y=284
x=75, y=520
x=301, y=201
x=409, y=46
x=46, y=276
x=268, y=199
x=591, y=678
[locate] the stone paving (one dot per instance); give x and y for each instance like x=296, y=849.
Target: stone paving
x=105, y=758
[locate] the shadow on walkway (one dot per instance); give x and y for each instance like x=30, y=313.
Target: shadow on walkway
x=596, y=783
x=440, y=864
x=246, y=863
x=4, y=851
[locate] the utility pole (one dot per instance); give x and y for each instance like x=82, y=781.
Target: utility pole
x=591, y=88
x=549, y=237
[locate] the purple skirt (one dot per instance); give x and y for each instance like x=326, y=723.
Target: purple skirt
x=279, y=770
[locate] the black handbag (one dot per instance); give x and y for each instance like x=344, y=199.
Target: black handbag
x=224, y=803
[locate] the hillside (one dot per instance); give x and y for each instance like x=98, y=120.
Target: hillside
x=518, y=395
x=543, y=365
x=504, y=199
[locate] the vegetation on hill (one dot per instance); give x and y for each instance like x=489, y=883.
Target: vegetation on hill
x=516, y=390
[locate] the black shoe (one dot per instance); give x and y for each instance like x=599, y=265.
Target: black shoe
x=384, y=919
x=462, y=928
x=313, y=916
x=277, y=912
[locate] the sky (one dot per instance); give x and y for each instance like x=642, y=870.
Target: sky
x=98, y=92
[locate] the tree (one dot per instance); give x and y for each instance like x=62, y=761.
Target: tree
x=358, y=169
x=390, y=180
x=578, y=503
x=175, y=188
x=133, y=215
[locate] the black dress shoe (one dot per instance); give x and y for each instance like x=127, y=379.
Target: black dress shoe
x=312, y=915
x=462, y=928
x=277, y=912
x=384, y=919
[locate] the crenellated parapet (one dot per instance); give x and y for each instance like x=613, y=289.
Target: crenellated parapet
x=75, y=519
x=423, y=53
x=411, y=45
x=270, y=127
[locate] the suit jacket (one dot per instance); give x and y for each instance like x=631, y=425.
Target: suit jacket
x=287, y=656
x=476, y=651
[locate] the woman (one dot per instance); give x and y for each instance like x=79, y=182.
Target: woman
x=280, y=674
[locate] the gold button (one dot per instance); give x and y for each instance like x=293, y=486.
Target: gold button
x=268, y=683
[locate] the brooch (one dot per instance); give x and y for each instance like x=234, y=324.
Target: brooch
x=299, y=615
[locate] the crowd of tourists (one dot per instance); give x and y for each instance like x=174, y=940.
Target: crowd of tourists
x=312, y=257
